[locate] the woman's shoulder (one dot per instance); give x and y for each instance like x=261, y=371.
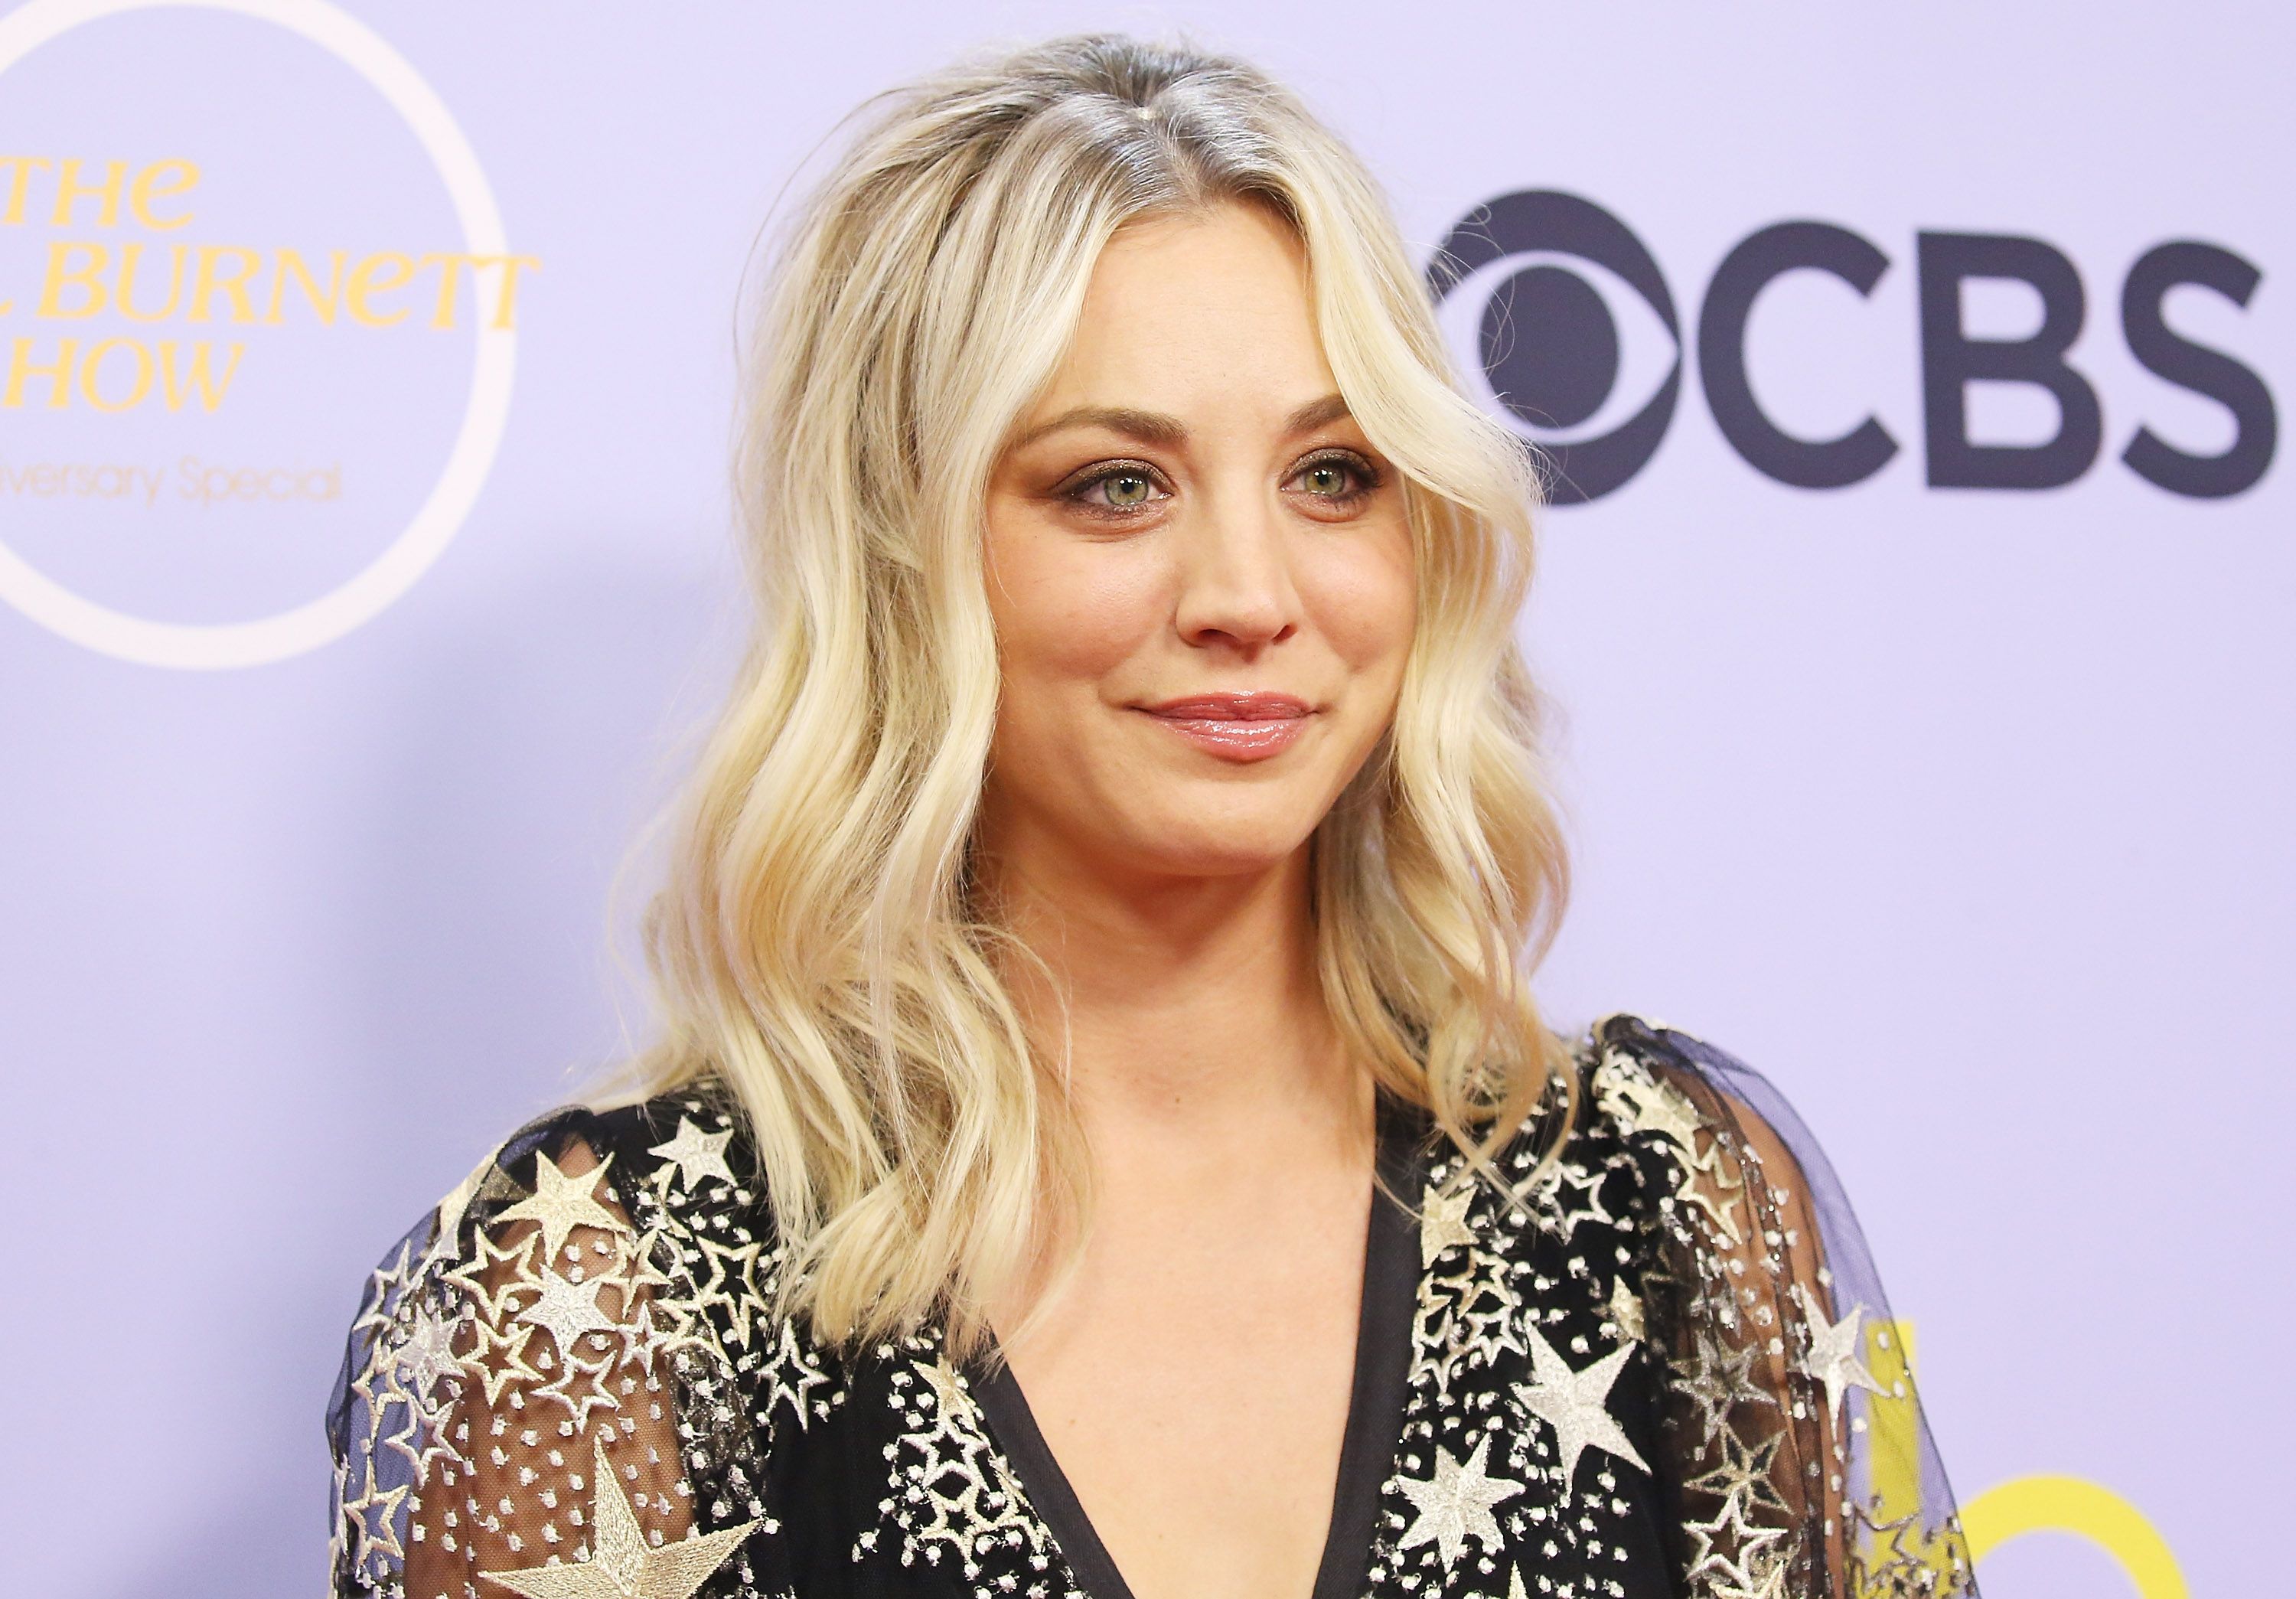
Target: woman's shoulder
x=630, y=1182
x=1770, y=1332
x=1650, y=1131
x=596, y=1266
x=1640, y=1080
x=1736, y=1172
x=666, y=1161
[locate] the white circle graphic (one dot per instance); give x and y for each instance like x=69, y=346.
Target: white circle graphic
x=196, y=647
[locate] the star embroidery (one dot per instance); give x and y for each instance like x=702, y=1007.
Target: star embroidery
x=639, y=1275
x=796, y=1372
x=385, y=1284
x=498, y=1358
x=1728, y=1544
x=1569, y=1216
x=697, y=1154
x=1717, y=1201
x=1625, y=1309
x=1443, y=1222
x=1905, y=1559
x=1575, y=1404
x=1455, y=1503
x=1721, y=1380
x=1770, y=1584
x=956, y=1404
x=561, y=1204
x=566, y=1310
x=1649, y=1107
x=421, y=1443
x=1833, y=1358
x=428, y=1354
x=730, y=1284
x=381, y=1533
x=649, y=1340
x=505, y=1263
x=621, y=1564
x=1742, y=1471
x=965, y=1500
x=446, y=1226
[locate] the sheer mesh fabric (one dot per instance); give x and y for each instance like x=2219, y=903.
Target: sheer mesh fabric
x=1804, y=1465
x=1666, y=1370
x=500, y=1385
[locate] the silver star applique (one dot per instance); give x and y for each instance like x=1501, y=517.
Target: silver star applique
x=374, y=1515
x=1766, y=1579
x=1653, y=1107
x=428, y=1354
x=622, y=1565
x=1834, y=1359
x=1626, y=1310
x=1730, y=1545
x=1455, y=1505
x=561, y=1204
x=1443, y=1222
x=1575, y=1404
x=566, y=1310
x=957, y=1404
x=696, y=1154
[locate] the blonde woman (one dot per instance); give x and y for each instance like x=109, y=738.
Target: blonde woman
x=1101, y=1140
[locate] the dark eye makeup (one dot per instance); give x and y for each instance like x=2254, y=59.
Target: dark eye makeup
x=1113, y=488
x=1341, y=478
x=1335, y=479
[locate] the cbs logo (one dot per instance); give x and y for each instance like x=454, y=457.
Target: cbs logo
x=1546, y=286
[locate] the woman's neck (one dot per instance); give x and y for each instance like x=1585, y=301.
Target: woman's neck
x=1186, y=1008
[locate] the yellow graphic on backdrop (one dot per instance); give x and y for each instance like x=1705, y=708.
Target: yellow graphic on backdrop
x=2070, y=1504
x=2008, y=1510
x=123, y=308
x=199, y=287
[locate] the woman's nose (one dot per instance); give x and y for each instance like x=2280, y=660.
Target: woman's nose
x=1236, y=591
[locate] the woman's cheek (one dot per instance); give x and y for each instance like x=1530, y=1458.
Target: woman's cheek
x=1084, y=612
x=1366, y=603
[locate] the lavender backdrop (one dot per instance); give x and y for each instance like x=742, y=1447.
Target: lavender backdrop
x=1961, y=812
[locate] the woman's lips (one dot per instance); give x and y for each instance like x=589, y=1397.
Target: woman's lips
x=1239, y=727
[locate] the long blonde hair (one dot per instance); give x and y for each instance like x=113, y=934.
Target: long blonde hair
x=819, y=947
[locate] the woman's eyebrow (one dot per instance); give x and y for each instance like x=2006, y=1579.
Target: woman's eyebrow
x=1148, y=427
x=1317, y=413
x=1169, y=432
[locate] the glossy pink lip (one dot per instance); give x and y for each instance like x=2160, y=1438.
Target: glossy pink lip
x=1239, y=727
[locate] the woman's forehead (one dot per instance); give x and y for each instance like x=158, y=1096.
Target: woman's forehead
x=1197, y=314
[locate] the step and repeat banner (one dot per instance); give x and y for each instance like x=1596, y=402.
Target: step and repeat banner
x=1916, y=602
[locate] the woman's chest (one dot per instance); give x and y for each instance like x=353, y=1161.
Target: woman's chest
x=1193, y=1387
x=1500, y=1423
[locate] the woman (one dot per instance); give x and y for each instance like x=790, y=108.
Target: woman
x=1102, y=1143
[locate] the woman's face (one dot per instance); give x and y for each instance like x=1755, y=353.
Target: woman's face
x=1200, y=570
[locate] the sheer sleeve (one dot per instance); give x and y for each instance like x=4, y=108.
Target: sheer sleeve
x=505, y=1406
x=1795, y=1440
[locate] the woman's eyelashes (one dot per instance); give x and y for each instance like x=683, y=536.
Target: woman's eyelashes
x=1334, y=481
x=1329, y=483
x=1115, y=489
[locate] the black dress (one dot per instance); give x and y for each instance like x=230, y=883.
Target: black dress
x=1664, y=1368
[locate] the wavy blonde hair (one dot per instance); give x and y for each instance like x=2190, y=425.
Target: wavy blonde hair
x=819, y=947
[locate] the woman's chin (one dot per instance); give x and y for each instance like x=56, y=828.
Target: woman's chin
x=1197, y=845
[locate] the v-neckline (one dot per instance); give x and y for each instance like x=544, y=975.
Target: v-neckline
x=1376, y=1399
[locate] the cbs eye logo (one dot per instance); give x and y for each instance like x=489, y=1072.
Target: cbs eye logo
x=1575, y=331
x=1548, y=334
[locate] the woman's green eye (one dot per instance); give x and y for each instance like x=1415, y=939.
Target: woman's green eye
x=1127, y=490
x=1328, y=481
